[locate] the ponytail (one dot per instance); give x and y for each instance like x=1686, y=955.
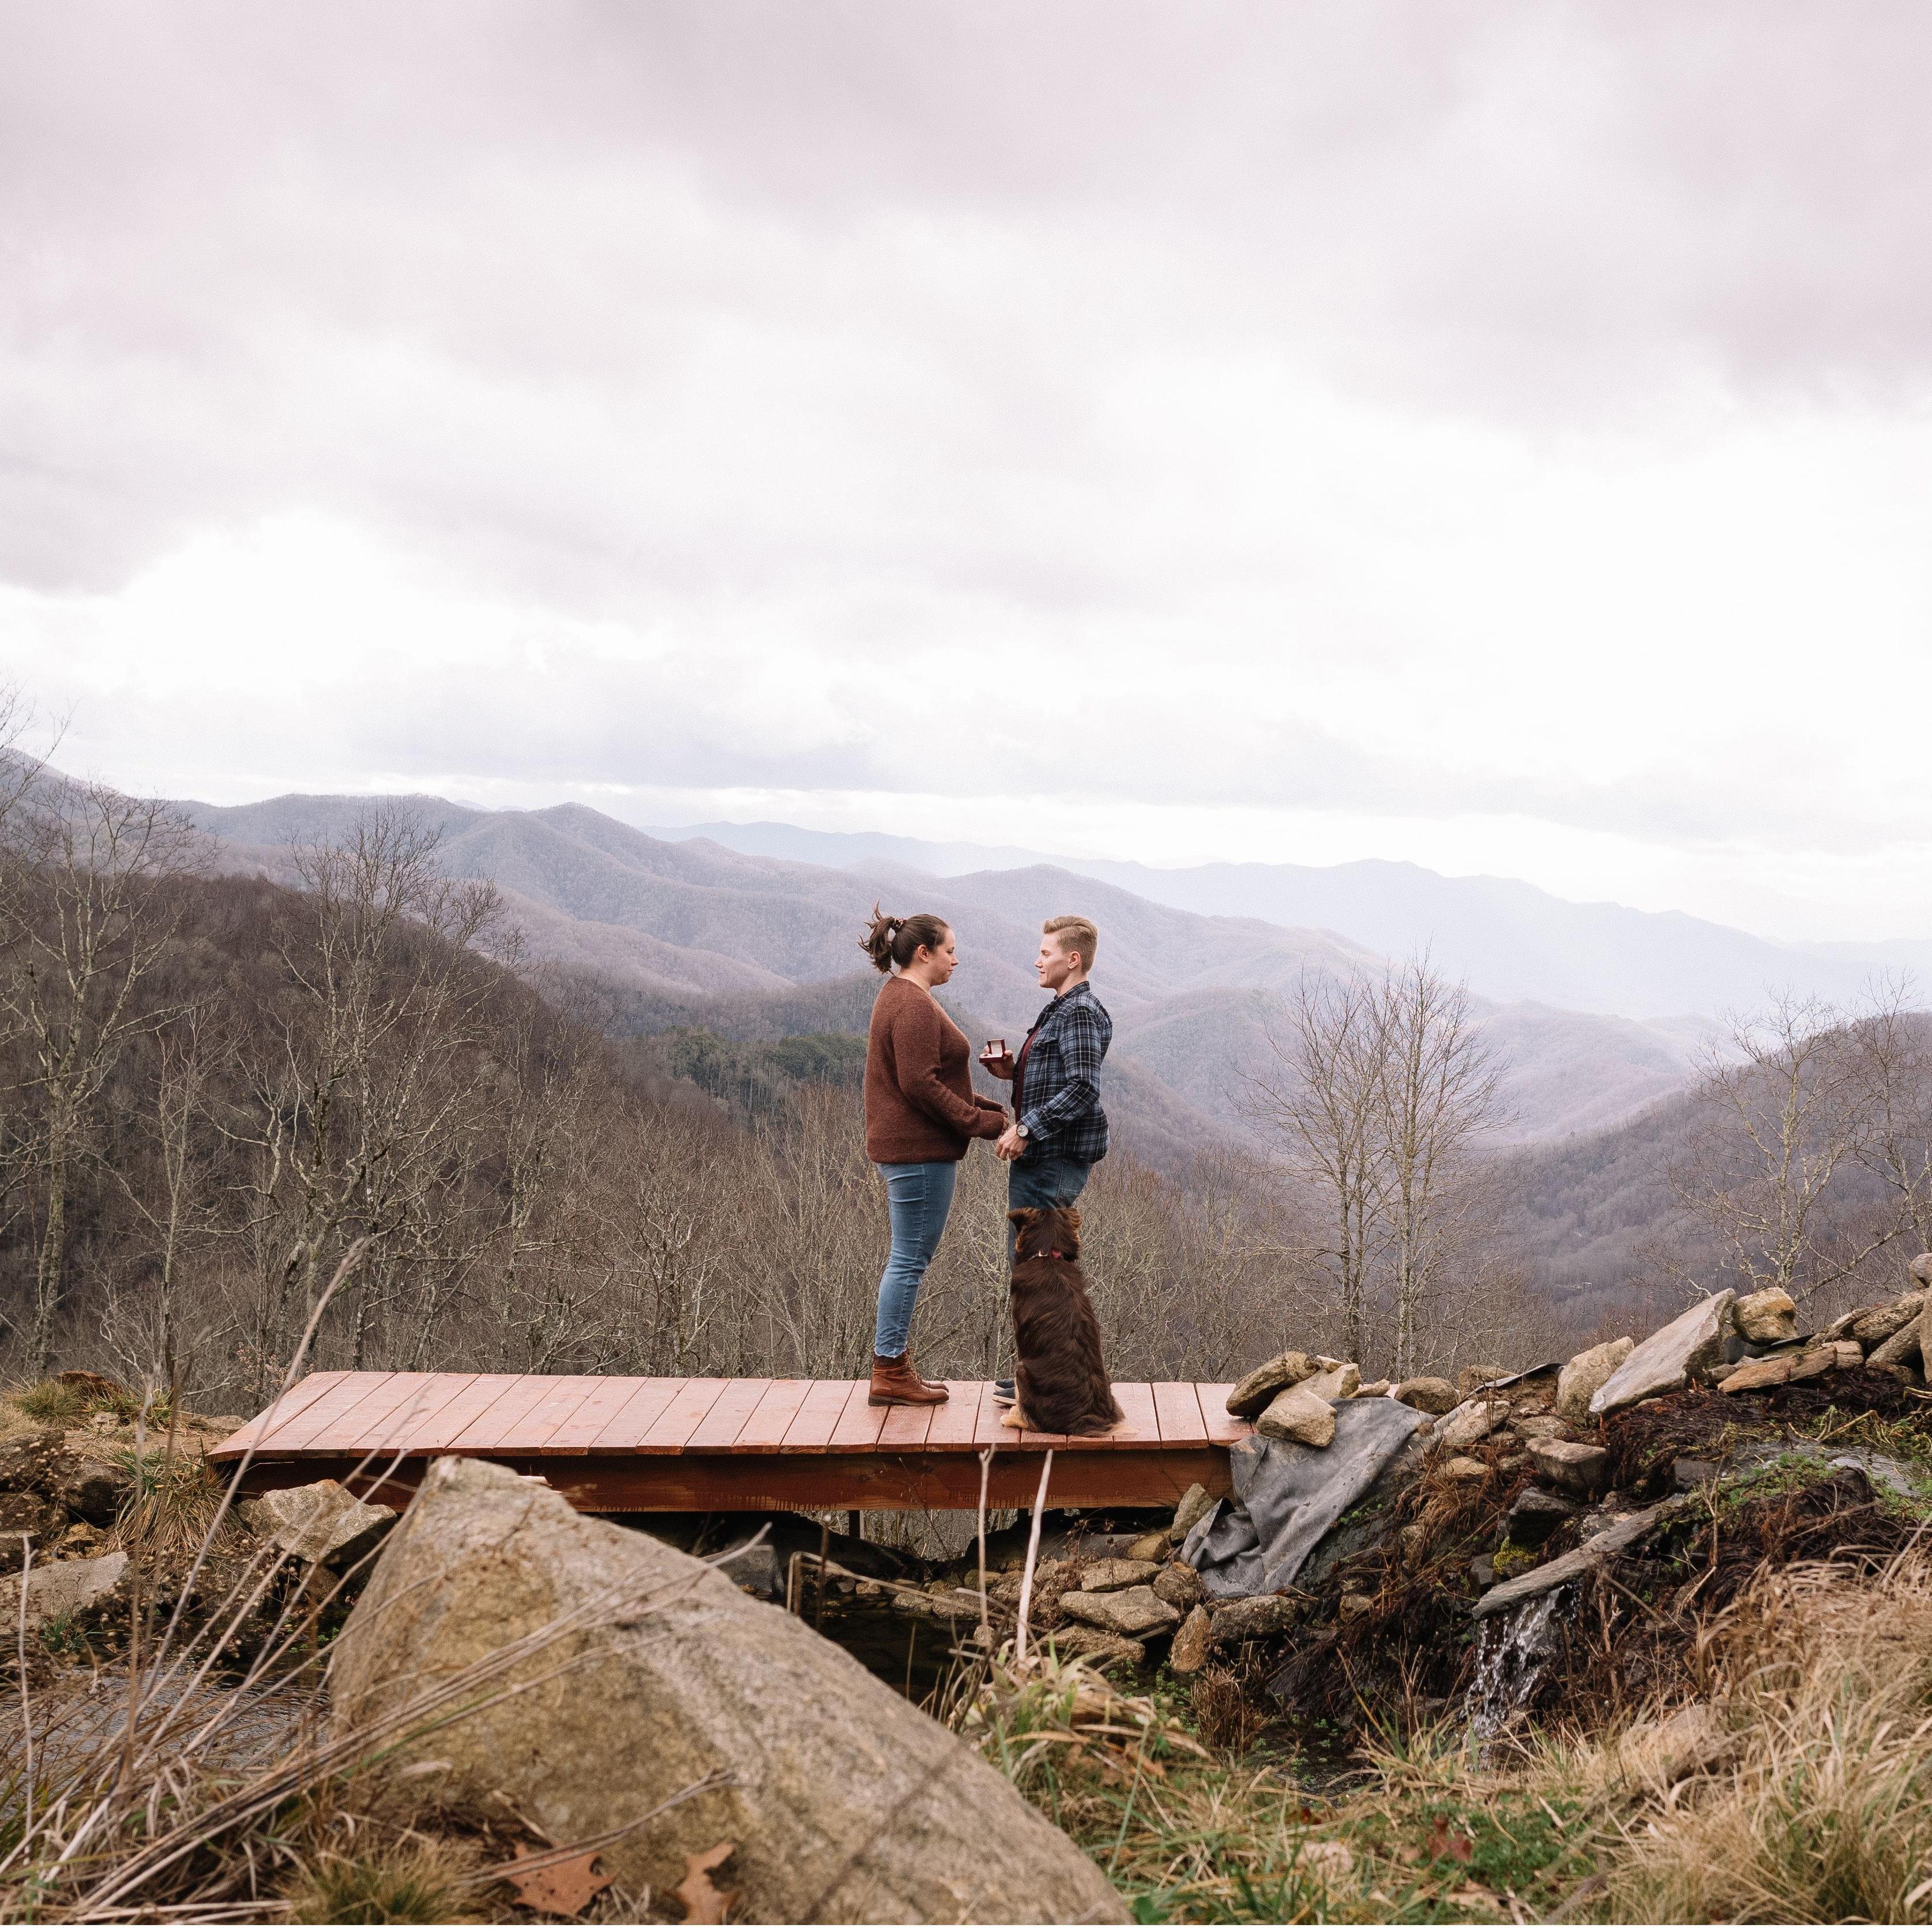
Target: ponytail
x=893, y=942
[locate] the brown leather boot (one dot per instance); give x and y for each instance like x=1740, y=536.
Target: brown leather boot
x=894, y=1379
x=938, y=1388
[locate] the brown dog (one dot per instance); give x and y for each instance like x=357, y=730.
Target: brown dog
x=1060, y=1379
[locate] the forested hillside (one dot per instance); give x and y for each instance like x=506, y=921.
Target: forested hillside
x=244, y=1112
x=678, y=926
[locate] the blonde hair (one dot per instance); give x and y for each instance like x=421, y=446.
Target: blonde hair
x=1075, y=935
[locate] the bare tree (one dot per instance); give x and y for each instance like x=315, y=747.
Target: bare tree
x=1789, y=1108
x=176, y=1198
x=364, y=1070
x=90, y=918
x=1893, y=1044
x=1322, y=1093
x=1435, y=1097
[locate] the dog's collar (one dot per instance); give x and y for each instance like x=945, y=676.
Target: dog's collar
x=1051, y=1255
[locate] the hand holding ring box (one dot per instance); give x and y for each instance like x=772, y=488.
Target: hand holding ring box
x=996, y=1061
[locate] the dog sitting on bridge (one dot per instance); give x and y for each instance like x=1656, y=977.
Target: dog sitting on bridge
x=1058, y=1377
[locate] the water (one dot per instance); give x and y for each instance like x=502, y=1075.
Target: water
x=1513, y=1661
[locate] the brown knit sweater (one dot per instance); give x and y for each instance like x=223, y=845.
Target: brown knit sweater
x=920, y=1103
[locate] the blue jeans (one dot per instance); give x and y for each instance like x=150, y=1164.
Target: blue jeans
x=919, y=1194
x=1046, y=1180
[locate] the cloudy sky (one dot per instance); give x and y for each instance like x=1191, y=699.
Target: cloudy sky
x=1492, y=436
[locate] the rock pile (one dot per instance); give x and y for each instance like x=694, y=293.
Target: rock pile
x=72, y=1493
x=1517, y=1484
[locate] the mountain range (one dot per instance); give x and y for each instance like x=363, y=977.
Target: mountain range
x=1509, y=941
x=691, y=931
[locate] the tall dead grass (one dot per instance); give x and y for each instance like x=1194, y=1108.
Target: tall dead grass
x=1824, y=1814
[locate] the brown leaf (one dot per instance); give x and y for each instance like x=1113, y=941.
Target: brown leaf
x=1445, y=1843
x=704, y=1904
x=564, y=1888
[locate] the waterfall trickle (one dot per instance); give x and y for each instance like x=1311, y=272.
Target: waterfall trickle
x=1515, y=1652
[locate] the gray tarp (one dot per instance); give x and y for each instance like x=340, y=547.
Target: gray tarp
x=1288, y=1497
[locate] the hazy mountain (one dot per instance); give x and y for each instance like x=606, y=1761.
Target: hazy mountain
x=1509, y=941
x=707, y=916
x=1565, y=1073
x=672, y=927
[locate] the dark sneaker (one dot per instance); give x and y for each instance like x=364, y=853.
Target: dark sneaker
x=1004, y=1392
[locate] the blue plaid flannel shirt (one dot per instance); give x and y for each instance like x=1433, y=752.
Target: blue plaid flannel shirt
x=1058, y=1102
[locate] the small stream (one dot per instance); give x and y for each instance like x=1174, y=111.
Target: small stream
x=1516, y=1653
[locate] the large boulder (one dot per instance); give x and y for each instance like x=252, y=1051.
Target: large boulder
x=1134, y=1612
x=848, y=1803
x=1430, y=1393
x=1769, y=1316
x=1665, y=1362
x=1298, y=1415
x=1584, y=1374
x=1579, y=1467
x=1259, y=1387
x=1901, y=1348
x=1467, y=1423
x=1337, y=1381
x=1192, y=1507
x=319, y=1522
x=25, y=1520
x=1241, y=1619
x=62, y=1589
x=1869, y=1327
x=89, y=1482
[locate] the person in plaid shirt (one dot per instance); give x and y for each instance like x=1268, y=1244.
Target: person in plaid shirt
x=1060, y=1128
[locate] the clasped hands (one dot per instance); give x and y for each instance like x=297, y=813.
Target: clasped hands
x=1011, y=1144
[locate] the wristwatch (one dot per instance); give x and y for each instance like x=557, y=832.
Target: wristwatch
x=1019, y=1128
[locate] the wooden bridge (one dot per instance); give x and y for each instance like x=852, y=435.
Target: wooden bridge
x=617, y=1444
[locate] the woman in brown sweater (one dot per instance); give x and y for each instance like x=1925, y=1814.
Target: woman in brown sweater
x=921, y=1112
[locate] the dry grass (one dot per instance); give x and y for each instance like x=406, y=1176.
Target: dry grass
x=1826, y=1814
x=1809, y=1801
x=427, y=1882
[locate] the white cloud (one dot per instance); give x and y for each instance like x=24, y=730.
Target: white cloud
x=1499, y=442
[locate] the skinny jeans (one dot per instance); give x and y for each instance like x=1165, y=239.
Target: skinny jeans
x=919, y=1194
x=1042, y=1180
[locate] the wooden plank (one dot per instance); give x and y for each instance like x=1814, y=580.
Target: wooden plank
x=574, y=1437
x=1178, y=1409
x=909, y=1479
x=651, y=1398
x=1221, y=1427
x=906, y=1426
x=322, y=1420
x=859, y=1427
x=987, y=1432
x=533, y=1429
x=1139, y=1423
x=434, y=1433
x=487, y=1431
x=728, y=1414
x=284, y=1409
x=811, y=1428
x=668, y=1435
x=418, y=1398
x=954, y=1420
x=1040, y=1438
x=765, y=1427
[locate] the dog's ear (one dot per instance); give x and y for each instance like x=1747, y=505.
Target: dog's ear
x=1073, y=1215
x=1023, y=1218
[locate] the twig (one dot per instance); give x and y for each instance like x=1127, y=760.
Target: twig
x=26, y=1701
x=985, y=1476
x=1032, y=1557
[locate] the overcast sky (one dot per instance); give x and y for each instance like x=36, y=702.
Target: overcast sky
x=1492, y=436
